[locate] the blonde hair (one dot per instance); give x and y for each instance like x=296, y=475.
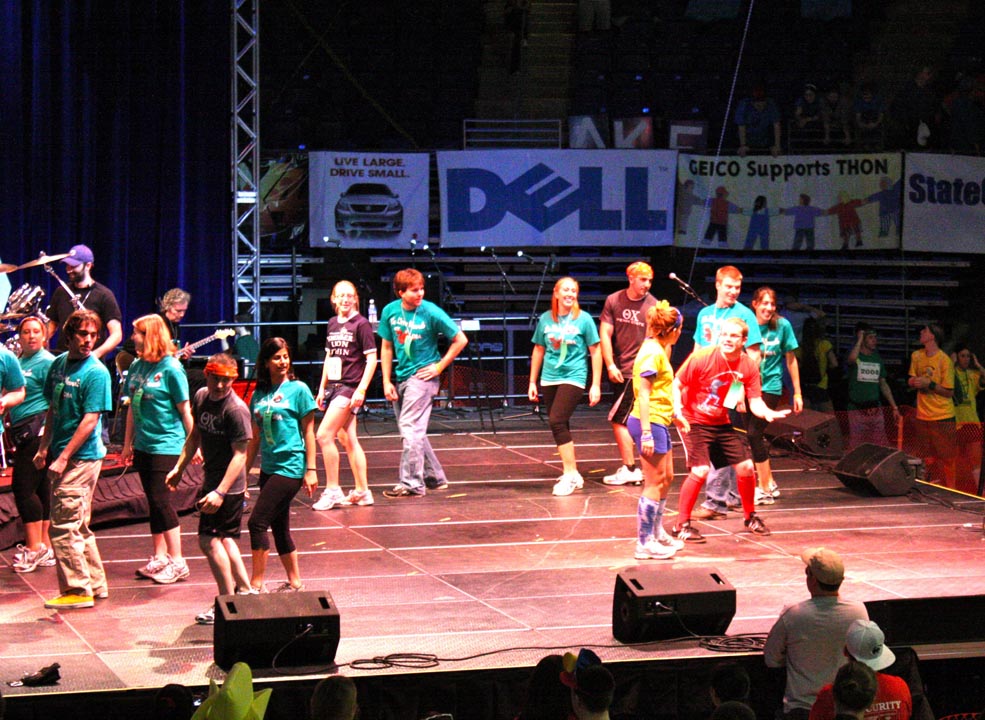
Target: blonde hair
x=575, y=309
x=662, y=318
x=335, y=289
x=639, y=268
x=157, y=338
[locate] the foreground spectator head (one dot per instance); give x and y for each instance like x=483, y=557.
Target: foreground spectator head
x=854, y=688
x=334, y=698
x=729, y=682
x=824, y=567
x=867, y=644
x=547, y=697
x=733, y=710
x=173, y=702
x=592, y=685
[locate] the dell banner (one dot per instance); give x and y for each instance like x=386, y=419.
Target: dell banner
x=368, y=200
x=793, y=202
x=944, y=203
x=553, y=198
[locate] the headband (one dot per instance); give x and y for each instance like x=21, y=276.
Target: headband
x=221, y=370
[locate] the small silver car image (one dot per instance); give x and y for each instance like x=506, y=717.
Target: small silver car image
x=367, y=208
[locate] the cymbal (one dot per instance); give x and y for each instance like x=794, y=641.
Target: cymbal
x=6, y=268
x=43, y=260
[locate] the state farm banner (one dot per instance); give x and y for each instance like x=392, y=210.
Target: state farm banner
x=795, y=202
x=368, y=200
x=944, y=203
x=555, y=198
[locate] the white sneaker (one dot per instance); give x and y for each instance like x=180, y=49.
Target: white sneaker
x=153, y=567
x=624, y=476
x=359, y=498
x=763, y=497
x=31, y=560
x=330, y=497
x=665, y=538
x=654, y=550
x=207, y=616
x=568, y=483
x=774, y=490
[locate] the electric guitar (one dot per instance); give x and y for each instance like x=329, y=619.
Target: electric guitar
x=124, y=359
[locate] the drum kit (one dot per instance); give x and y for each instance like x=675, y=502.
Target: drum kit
x=26, y=300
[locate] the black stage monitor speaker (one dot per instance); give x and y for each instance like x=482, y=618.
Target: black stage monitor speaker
x=929, y=620
x=659, y=603
x=815, y=433
x=877, y=470
x=302, y=626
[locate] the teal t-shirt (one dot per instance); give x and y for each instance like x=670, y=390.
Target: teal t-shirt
x=710, y=321
x=35, y=370
x=414, y=335
x=73, y=389
x=774, y=348
x=278, y=414
x=155, y=389
x=565, y=344
x=11, y=377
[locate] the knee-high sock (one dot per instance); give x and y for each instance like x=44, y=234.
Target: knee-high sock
x=747, y=491
x=646, y=514
x=689, y=495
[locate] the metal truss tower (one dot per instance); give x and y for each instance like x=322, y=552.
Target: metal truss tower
x=244, y=155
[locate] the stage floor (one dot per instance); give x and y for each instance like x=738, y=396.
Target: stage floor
x=494, y=569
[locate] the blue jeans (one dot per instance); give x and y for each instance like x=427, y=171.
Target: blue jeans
x=419, y=466
x=721, y=489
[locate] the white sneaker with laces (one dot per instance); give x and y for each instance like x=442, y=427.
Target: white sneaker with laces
x=665, y=538
x=654, y=550
x=568, y=483
x=330, y=497
x=624, y=476
x=153, y=567
x=774, y=490
x=172, y=573
x=359, y=498
x=763, y=497
x=206, y=617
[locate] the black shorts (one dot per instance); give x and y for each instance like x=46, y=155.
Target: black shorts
x=622, y=405
x=715, y=445
x=226, y=521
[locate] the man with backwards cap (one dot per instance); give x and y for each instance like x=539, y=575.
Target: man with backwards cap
x=866, y=644
x=808, y=637
x=92, y=295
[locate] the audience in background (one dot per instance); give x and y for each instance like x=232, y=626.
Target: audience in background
x=870, y=115
x=758, y=121
x=836, y=114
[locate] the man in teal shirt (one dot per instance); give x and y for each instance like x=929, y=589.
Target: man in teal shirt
x=78, y=391
x=409, y=330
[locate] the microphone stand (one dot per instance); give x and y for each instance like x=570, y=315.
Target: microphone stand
x=74, y=298
x=548, y=266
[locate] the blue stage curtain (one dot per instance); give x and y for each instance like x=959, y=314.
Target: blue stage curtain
x=114, y=129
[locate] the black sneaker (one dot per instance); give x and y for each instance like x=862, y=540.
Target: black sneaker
x=756, y=526
x=688, y=534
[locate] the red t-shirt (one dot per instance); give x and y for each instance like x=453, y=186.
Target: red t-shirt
x=893, y=701
x=705, y=378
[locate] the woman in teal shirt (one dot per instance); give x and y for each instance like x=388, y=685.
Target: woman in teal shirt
x=283, y=411
x=158, y=420
x=564, y=340
x=777, y=348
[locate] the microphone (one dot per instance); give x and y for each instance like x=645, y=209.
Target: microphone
x=686, y=288
x=552, y=264
x=519, y=254
x=413, y=243
x=486, y=248
x=331, y=242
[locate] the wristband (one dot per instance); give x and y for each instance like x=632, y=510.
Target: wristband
x=646, y=436
x=613, y=366
x=798, y=395
x=312, y=469
x=220, y=493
